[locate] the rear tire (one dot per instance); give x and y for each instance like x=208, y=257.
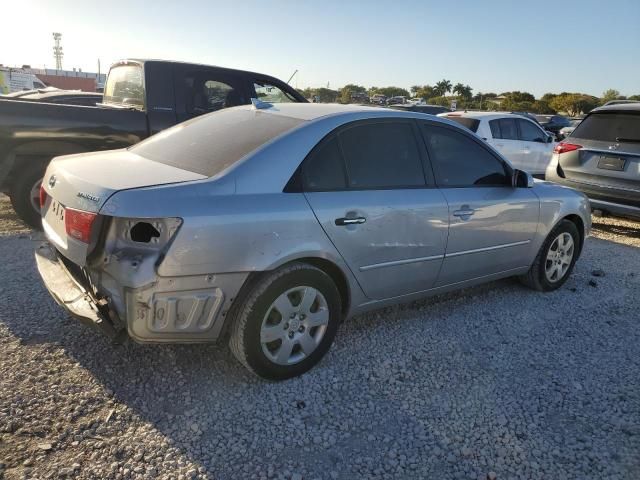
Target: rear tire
x=286, y=323
x=22, y=191
x=552, y=266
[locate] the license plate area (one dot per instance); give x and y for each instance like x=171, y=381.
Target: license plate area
x=611, y=163
x=57, y=211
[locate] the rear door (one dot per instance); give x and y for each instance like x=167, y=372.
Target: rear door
x=366, y=185
x=491, y=223
x=609, y=157
x=537, y=150
x=507, y=141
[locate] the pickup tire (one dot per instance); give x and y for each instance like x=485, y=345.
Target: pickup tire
x=22, y=192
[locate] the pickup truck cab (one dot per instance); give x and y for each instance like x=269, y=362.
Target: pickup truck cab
x=141, y=98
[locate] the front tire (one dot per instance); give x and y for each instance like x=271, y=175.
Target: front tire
x=24, y=193
x=555, y=260
x=286, y=323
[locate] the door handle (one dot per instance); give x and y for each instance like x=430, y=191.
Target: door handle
x=350, y=221
x=464, y=213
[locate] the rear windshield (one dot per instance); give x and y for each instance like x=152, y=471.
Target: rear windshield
x=125, y=86
x=610, y=127
x=470, y=123
x=209, y=144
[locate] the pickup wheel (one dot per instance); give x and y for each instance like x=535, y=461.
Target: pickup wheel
x=25, y=193
x=286, y=322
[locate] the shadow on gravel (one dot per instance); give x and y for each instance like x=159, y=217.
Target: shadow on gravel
x=627, y=230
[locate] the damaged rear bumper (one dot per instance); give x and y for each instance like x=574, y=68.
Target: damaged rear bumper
x=72, y=296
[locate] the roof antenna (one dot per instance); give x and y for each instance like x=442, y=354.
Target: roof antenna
x=259, y=104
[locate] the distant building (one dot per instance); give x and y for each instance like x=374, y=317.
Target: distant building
x=69, y=79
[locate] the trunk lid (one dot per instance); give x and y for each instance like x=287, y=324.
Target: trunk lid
x=84, y=182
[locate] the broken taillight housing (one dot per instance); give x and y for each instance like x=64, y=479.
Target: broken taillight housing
x=43, y=196
x=78, y=224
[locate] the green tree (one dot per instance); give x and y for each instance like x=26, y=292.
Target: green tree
x=609, y=95
x=414, y=90
x=425, y=92
x=442, y=87
x=393, y=92
x=634, y=97
x=574, y=103
x=464, y=91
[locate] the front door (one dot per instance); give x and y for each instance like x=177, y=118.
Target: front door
x=491, y=223
x=366, y=185
x=536, y=147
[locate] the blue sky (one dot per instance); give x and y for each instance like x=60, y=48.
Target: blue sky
x=499, y=45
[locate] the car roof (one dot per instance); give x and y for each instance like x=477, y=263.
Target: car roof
x=486, y=115
x=618, y=107
x=313, y=111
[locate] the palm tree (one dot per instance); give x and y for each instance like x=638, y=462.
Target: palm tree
x=463, y=90
x=443, y=87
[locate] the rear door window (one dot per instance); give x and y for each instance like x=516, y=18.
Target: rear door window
x=382, y=155
x=504, y=128
x=209, y=90
x=610, y=127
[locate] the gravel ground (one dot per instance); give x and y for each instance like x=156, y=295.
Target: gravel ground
x=493, y=382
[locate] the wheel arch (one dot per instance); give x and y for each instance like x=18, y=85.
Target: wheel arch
x=327, y=266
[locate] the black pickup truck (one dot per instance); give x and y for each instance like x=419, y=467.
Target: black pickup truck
x=141, y=97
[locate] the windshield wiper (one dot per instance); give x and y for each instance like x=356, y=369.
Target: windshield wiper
x=627, y=140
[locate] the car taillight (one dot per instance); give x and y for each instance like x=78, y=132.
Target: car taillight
x=43, y=196
x=563, y=147
x=78, y=224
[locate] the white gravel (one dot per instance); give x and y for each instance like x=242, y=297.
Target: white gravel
x=493, y=382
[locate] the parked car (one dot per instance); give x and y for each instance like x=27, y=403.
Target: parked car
x=566, y=131
x=378, y=99
x=267, y=226
x=396, y=100
x=522, y=141
x=619, y=102
x=141, y=98
x=602, y=159
x=421, y=107
x=55, y=95
x=553, y=123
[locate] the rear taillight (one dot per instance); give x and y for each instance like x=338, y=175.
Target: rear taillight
x=43, y=196
x=563, y=147
x=78, y=224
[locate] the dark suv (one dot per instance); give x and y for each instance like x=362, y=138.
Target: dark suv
x=602, y=159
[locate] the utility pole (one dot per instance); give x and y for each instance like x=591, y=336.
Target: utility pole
x=57, y=50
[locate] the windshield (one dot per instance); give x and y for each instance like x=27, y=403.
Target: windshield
x=209, y=144
x=125, y=86
x=610, y=127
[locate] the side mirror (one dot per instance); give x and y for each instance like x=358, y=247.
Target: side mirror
x=522, y=179
x=549, y=139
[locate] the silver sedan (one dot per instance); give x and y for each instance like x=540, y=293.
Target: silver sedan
x=265, y=226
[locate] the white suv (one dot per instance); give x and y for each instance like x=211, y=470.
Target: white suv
x=521, y=140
